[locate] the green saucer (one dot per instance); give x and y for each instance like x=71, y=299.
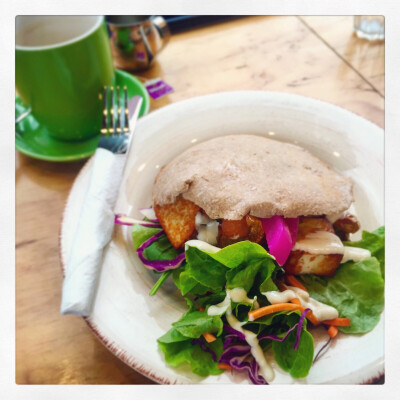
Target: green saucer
x=34, y=140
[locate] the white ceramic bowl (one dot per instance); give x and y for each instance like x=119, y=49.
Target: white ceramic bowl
x=128, y=321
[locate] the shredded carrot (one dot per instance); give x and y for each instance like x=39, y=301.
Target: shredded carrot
x=209, y=337
x=224, y=366
x=332, y=331
x=260, y=312
x=296, y=301
x=311, y=317
x=294, y=282
x=201, y=308
x=338, y=322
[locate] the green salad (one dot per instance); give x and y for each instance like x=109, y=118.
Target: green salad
x=231, y=320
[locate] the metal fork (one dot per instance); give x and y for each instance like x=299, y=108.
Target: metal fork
x=119, y=115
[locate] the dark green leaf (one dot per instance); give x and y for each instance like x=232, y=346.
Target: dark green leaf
x=240, y=253
x=161, y=249
x=187, y=284
x=243, y=276
x=212, y=299
x=163, y=277
x=204, y=269
x=296, y=362
x=141, y=233
x=194, y=324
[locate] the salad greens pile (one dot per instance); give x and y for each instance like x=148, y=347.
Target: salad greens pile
x=206, y=279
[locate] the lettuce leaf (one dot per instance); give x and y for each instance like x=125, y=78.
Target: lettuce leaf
x=240, y=253
x=204, y=269
x=172, y=336
x=180, y=350
x=244, y=264
x=186, y=283
x=141, y=233
x=178, y=346
x=161, y=249
x=212, y=299
x=375, y=243
x=296, y=362
x=356, y=291
x=194, y=324
x=243, y=276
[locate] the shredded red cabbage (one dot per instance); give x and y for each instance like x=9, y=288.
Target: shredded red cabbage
x=239, y=357
x=233, y=332
x=300, y=327
x=237, y=353
x=158, y=265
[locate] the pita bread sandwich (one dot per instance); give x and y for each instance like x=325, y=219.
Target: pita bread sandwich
x=246, y=187
x=276, y=211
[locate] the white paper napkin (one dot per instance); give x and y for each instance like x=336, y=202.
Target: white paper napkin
x=94, y=231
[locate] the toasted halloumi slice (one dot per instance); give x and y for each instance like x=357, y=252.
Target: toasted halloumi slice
x=313, y=224
x=348, y=223
x=178, y=220
x=302, y=262
x=233, y=231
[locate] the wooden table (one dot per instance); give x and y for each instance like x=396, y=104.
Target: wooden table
x=318, y=57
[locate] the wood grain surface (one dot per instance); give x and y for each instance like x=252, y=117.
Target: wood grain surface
x=365, y=57
x=318, y=57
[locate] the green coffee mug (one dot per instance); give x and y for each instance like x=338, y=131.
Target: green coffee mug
x=62, y=64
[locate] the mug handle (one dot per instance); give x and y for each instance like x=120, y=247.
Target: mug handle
x=150, y=55
x=162, y=28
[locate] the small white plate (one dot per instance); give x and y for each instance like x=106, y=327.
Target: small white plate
x=128, y=321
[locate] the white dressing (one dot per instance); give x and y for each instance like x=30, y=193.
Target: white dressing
x=355, y=253
x=201, y=245
x=220, y=308
x=238, y=295
x=275, y=297
x=322, y=242
x=320, y=310
x=265, y=369
x=208, y=233
x=201, y=219
x=207, y=229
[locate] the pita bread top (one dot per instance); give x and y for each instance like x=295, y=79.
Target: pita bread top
x=231, y=176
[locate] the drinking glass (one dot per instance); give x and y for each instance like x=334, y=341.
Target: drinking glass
x=370, y=27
